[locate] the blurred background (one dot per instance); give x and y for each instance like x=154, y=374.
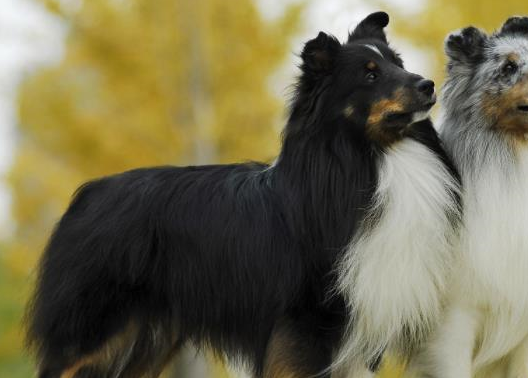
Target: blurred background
x=94, y=87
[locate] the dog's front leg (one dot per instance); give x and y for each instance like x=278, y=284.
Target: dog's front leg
x=449, y=353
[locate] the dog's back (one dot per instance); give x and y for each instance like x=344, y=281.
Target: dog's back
x=138, y=263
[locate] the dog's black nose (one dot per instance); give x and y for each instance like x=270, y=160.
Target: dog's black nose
x=426, y=87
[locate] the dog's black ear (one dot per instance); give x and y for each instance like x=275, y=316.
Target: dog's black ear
x=371, y=27
x=466, y=46
x=515, y=25
x=319, y=53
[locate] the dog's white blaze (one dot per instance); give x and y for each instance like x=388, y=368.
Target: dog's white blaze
x=495, y=254
x=375, y=49
x=394, y=273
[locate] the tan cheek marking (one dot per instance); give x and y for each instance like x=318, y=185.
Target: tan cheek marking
x=348, y=111
x=491, y=106
x=379, y=110
x=501, y=109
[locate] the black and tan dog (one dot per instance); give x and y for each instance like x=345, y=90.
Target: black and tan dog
x=315, y=264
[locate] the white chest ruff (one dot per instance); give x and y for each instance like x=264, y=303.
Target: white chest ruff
x=394, y=271
x=495, y=252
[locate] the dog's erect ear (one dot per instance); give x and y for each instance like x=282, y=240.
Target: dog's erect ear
x=371, y=27
x=319, y=53
x=515, y=25
x=466, y=46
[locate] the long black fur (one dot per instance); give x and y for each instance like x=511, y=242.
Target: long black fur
x=221, y=256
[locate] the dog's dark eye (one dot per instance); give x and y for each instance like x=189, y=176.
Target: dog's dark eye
x=371, y=76
x=509, y=68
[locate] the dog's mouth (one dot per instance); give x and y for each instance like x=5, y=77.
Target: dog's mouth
x=413, y=114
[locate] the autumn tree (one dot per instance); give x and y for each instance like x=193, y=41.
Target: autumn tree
x=141, y=83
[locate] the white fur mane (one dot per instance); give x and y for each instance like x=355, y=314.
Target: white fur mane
x=495, y=254
x=393, y=273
